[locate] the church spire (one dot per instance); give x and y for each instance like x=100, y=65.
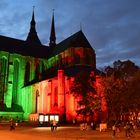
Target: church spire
x=33, y=18
x=32, y=35
x=52, y=34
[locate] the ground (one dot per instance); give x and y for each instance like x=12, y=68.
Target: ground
x=62, y=133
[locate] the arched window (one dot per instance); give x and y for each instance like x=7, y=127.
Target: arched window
x=15, y=81
x=40, y=70
x=3, y=78
x=4, y=70
x=37, y=71
x=36, y=103
x=4, y=67
x=27, y=73
x=56, y=96
x=43, y=67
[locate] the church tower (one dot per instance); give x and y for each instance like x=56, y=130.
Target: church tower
x=32, y=37
x=52, y=34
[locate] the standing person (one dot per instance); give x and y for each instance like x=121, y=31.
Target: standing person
x=17, y=121
x=73, y=121
x=94, y=125
x=54, y=124
x=51, y=124
x=113, y=130
x=91, y=124
x=12, y=124
x=127, y=130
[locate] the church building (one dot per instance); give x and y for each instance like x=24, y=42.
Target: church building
x=35, y=78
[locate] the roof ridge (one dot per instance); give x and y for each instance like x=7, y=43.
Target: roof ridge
x=70, y=36
x=7, y=37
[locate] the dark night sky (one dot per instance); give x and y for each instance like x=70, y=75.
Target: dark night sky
x=111, y=26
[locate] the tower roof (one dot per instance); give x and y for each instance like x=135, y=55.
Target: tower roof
x=52, y=34
x=32, y=37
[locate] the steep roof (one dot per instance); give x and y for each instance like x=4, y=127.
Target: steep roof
x=22, y=47
x=76, y=40
x=27, y=48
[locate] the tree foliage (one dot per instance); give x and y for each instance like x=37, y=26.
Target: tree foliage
x=115, y=93
x=134, y=91
x=83, y=89
x=121, y=88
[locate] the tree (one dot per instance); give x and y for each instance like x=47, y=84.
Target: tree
x=83, y=89
x=134, y=94
x=115, y=91
x=121, y=86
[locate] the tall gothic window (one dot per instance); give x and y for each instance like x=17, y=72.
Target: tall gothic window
x=56, y=96
x=4, y=67
x=43, y=67
x=37, y=71
x=37, y=94
x=3, y=78
x=15, y=81
x=27, y=73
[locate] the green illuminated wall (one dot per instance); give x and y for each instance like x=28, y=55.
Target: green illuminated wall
x=16, y=92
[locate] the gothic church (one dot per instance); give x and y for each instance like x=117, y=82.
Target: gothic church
x=36, y=79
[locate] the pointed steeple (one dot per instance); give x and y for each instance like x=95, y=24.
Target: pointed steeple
x=32, y=37
x=52, y=34
x=33, y=18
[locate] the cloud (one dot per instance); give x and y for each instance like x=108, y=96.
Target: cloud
x=112, y=27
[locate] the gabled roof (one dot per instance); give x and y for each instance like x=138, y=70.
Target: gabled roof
x=76, y=40
x=22, y=47
x=41, y=51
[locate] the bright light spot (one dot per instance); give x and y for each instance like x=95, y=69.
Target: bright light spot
x=51, y=117
x=41, y=118
x=46, y=118
x=57, y=118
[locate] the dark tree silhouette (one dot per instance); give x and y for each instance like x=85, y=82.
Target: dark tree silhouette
x=83, y=89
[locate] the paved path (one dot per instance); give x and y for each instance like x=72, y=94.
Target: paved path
x=62, y=133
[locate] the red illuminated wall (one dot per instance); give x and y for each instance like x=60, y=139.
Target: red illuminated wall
x=55, y=98
x=100, y=91
x=54, y=94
